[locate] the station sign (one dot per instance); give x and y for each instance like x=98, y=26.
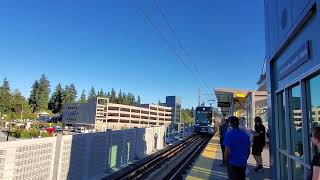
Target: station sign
x=299, y=57
x=223, y=104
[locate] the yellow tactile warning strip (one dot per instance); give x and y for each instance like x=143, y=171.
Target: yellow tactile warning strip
x=203, y=167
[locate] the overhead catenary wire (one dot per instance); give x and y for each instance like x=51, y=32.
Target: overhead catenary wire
x=196, y=78
x=180, y=43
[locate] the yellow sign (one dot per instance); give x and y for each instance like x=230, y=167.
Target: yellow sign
x=240, y=95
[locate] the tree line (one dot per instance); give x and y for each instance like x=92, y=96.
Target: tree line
x=187, y=115
x=13, y=104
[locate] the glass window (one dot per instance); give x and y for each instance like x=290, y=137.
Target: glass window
x=298, y=170
x=295, y=121
x=203, y=116
x=313, y=89
x=283, y=164
x=281, y=121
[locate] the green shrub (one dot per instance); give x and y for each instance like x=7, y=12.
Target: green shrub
x=17, y=133
x=34, y=132
x=44, y=134
x=25, y=134
x=59, y=124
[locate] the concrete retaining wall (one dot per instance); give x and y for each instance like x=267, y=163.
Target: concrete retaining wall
x=81, y=156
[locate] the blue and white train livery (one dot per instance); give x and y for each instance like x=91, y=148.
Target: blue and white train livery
x=204, y=120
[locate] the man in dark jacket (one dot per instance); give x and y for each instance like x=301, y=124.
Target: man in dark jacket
x=259, y=141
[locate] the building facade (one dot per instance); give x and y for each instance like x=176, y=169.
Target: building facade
x=293, y=83
x=101, y=115
x=175, y=103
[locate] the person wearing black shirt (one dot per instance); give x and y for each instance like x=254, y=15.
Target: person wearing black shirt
x=315, y=164
x=258, y=142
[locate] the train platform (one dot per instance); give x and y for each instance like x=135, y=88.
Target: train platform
x=207, y=166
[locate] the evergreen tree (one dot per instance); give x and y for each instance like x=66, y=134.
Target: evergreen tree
x=125, y=99
x=139, y=101
x=192, y=111
x=101, y=93
x=39, y=95
x=131, y=99
x=113, y=96
x=73, y=93
x=66, y=95
x=83, y=98
x=92, y=94
x=55, y=103
x=5, y=86
x=5, y=98
x=43, y=92
x=69, y=94
x=34, y=97
x=108, y=95
x=120, y=97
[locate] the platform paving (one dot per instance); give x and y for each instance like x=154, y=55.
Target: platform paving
x=207, y=166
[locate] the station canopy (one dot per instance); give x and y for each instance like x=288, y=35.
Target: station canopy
x=231, y=101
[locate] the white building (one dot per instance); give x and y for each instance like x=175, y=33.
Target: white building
x=101, y=115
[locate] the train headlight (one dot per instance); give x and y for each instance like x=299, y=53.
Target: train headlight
x=198, y=124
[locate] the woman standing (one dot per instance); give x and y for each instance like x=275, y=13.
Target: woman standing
x=315, y=164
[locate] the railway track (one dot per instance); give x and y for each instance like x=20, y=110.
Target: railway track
x=169, y=163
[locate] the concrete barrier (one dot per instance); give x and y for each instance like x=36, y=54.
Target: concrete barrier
x=80, y=156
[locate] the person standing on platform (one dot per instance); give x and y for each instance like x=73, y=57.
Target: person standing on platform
x=222, y=132
x=237, y=150
x=259, y=140
x=242, y=124
x=315, y=164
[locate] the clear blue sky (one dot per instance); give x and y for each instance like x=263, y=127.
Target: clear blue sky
x=107, y=44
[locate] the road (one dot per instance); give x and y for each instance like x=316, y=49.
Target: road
x=3, y=136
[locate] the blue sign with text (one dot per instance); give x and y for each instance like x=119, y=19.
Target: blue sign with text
x=301, y=56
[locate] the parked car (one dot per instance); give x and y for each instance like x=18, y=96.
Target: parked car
x=58, y=128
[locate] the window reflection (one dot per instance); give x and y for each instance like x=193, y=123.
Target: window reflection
x=295, y=121
x=298, y=170
x=314, y=104
x=283, y=166
x=113, y=156
x=281, y=121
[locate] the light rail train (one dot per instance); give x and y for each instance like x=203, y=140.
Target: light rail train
x=204, y=123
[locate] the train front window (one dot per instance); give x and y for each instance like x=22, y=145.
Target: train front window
x=203, y=117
